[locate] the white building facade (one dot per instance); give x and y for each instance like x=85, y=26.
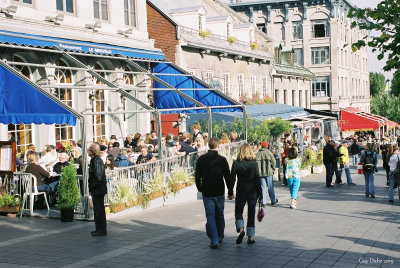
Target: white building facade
x=101, y=22
x=321, y=36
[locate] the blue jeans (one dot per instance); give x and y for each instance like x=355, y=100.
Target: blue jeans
x=241, y=198
x=369, y=182
x=347, y=170
x=267, y=182
x=43, y=188
x=215, y=226
x=355, y=159
x=391, y=187
x=294, y=185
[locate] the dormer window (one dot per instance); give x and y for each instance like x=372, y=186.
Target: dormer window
x=229, y=29
x=201, y=22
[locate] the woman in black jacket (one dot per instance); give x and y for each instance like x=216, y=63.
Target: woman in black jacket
x=248, y=189
x=98, y=189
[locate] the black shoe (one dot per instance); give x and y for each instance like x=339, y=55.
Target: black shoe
x=214, y=246
x=250, y=241
x=99, y=234
x=274, y=203
x=92, y=232
x=351, y=184
x=240, y=237
x=372, y=196
x=220, y=241
x=391, y=201
x=330, y=186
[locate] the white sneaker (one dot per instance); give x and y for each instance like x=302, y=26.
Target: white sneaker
x=293, y=206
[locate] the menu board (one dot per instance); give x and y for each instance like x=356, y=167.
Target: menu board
x=8, y=151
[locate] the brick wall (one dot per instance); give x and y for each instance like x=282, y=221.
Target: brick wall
x=162, y=31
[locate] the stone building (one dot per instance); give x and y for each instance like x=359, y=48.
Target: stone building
x=212, y=42
x=94, y=33
x=320, y=34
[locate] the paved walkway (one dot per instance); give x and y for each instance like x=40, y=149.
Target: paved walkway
x=337, y=227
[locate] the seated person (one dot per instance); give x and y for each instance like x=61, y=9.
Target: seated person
x=183, y=149
x=145, y=156
x=139, y=145
x=62, y=162
x=123, y=159
x=49, y=158
x=40, y=173
x=115, y=150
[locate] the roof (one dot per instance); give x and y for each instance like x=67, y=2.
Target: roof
x=243, y=25
x=297, y=69
x=250, y=3
x=185, y=9
x=218, y=18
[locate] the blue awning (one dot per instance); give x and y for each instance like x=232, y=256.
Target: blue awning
x=32, y=40
x=22, y=103
x=169, y=99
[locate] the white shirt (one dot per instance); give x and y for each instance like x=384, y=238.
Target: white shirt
x=48, y=160
x=393, y=161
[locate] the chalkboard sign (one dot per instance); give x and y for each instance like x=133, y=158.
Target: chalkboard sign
x=8, y=154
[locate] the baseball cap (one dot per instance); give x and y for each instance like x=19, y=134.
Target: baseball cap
x=264, y=144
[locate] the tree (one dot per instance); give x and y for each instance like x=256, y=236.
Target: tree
x=387, y=106
x=385, y=20
x=377, y=83
x=395, y=87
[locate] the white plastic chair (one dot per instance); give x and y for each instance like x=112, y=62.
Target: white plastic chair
x=31, y=192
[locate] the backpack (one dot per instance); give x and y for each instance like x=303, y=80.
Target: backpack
x=368, y=164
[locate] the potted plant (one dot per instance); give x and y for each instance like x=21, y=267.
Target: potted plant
x=205, y=33
x=123, y=197
x=68, y=193
x=9, y=203
x=319, y=164
x=231, y=39
x=179, y=179
x=254, y=45
x=305, y=168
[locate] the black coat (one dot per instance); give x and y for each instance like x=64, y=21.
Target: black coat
x=211, y=170
x=248, y=177
x=354, y=148
x=330, y=155
x=97, y=177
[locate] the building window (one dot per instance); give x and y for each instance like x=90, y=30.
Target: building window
x=100, y=8
x=129, y=80
x=98, y=105
x=276, y=95
x=261, y=27
x=320, y=29
x=253, y=85
x=209, y=77
x=320, y=55
x=24, y=1
x=63, y=77
x=281, y=30
x=65, y=5
x=22, y=68
x=227, y=83
x=201, y=22
x=264, y=86
x=298, y=55
x=22, y=135
x=297, y=30
x=293, y=97
x=241, y=84
x=130, y=12
x=285, y=96
x=320, y=87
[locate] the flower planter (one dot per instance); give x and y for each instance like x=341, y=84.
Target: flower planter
x=10, y=209
x=318, y=169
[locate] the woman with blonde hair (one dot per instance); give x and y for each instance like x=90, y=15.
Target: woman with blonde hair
x=224, y=139
x=196, y=131
x=248, y=190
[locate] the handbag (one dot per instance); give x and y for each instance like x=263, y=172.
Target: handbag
x=260, y=214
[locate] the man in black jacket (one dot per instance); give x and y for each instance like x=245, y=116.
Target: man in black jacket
x=330, y=155
x=211, y=170
x=97, y=189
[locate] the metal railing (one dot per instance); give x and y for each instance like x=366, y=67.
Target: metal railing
x=219, y=38
x=138, y=176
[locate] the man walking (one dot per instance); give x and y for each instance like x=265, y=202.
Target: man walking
x=355, y=150
x=266, y=166
x=344, y=163
x=211, y=170
x=329, y=155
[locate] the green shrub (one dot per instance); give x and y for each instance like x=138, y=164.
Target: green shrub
x=68, y=191
x=320, y=158
x=123, y=193
x=179, y=177
x=152, y=186
x=9, y=200
x=311, y=155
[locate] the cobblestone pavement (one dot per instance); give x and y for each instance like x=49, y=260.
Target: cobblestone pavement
x=337, y=227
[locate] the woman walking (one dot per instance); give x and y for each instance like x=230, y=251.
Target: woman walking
x=393, y=159
x=369, y=161
x=293, y=175
x=248, y=189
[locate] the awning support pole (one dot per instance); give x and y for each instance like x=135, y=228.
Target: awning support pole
x=85, y=173
x=244, y=122
x=159, y=135
x=209, y=113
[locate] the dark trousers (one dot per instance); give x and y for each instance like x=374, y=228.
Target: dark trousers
x=241, y=198
x=99, y=214
x=284, y=174
x=329, y=174
x=338, y=175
